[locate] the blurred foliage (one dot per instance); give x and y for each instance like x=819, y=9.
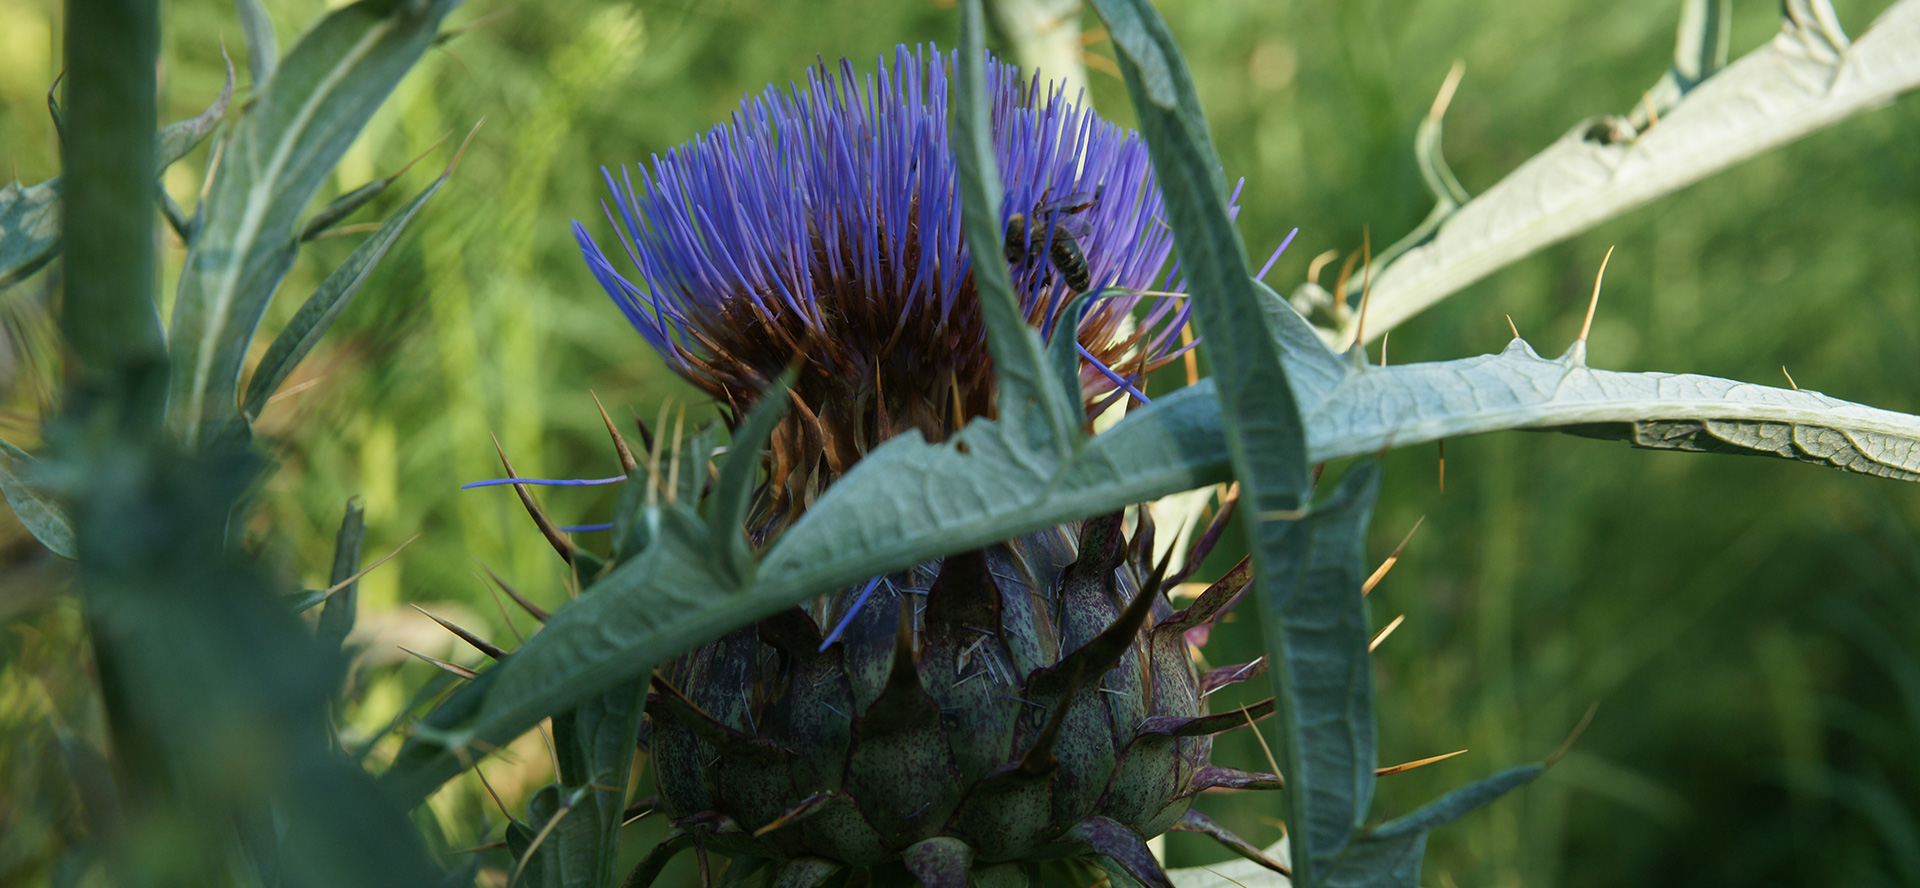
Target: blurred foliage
x=1750, y=630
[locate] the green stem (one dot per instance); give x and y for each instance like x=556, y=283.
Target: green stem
x=111, y=325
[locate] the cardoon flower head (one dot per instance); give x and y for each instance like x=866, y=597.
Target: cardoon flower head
x=823, y=222
x=1026, y=705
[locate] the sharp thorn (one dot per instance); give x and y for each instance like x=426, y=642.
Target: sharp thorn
x=458, y=152
x=538, y=612
x=653, y=459
x=619, y=441
x=640, y=808
x=1783, y=371
x=673, y=459
x=1404, y=767
x=423, y=153
x=1380, y=573
x=1594, y=303
x=554, y=537
x=1320, y=262
x=800, y=810
x=1384, y=632
x=1188, y=359
x=454, y=668
x=1511, y=326
x=1272, y=766
x=501, y=606
x=1366, y=289
x=1345, y=277
x=496, y=796
x=1226, y=676
x=1447, y=87
x=480, y=644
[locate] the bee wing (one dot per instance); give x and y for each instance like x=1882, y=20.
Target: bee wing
x=1074, y=226
x=1073, y=203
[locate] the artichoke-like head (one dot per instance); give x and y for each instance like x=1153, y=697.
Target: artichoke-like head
x=992, y=711
x=822, y=225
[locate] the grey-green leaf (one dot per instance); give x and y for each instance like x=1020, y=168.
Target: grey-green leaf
x=566, y=853
x=1388, y=856
x=1027, y=390
x=1261, y=424
x=733, y=485
x=274, y=160
x=321, y=309
x=37, y=512
x=1429, y=155
x=595, y=744
x=1381, y=862
x=1460, y=802
x=1798, y=83
x=1354, y=410
x=341, y=207
x=263, y=49
x=323, y=221
x=176, y=139
x=29, y=229
x=1699, y=51
x=1382, y=858
x=1260, y=416
x=1314, y=621
x=1131, y=26
x=1312, y=368
x=1377, y=407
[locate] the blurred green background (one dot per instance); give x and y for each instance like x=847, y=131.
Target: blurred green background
x=1749, y=629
